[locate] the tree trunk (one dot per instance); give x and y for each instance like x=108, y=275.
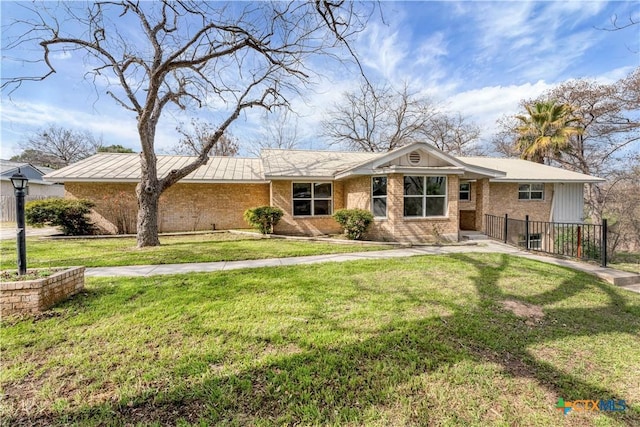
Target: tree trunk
x=147, y=215
x=148, y=190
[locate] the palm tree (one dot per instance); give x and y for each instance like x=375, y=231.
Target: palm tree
x=546, y=130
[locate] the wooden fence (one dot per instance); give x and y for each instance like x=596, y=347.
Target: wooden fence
x=8, y=206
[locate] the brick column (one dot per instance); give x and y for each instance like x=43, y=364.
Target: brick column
x=482, y=202
x=395, y=201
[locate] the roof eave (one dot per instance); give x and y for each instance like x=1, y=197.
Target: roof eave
x=548, y=180
x=299, y=177
x=182, y=181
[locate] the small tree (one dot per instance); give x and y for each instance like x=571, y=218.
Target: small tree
x=263, y=218
x=70, y=215
x=354, y=222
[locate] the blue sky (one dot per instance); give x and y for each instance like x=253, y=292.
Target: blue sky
x=476, y=58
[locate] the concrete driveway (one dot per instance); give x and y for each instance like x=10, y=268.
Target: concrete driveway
x=9, y=233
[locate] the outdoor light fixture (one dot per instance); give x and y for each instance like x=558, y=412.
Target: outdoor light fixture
x=19, y=182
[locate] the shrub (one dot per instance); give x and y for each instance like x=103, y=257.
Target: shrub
x=354, y=222
x=263, y=218
x=69, y=215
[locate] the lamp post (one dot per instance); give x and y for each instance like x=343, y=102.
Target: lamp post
x=20, y=182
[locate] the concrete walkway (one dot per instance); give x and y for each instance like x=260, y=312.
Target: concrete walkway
x=629, y=281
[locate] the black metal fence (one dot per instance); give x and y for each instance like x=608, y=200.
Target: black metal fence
x=576, y=240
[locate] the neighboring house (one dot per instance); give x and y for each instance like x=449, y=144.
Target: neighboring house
x=37, y=187
x=415, y=192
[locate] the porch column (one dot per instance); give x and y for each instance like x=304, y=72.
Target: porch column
x=482, y=202
x=395, y=201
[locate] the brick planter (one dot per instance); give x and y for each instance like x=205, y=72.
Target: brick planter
x=33, y=296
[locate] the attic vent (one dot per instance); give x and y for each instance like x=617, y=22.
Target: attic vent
x=414, y=157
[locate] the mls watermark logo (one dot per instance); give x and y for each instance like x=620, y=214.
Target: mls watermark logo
x=609, y=405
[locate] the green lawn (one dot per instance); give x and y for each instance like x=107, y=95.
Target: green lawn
x=173, y=250
x=468, y=339
x=627, y=261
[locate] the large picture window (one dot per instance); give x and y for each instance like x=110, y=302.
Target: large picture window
x=425, y=196
x=379, y=196
x=312, y=198
x=531, y=192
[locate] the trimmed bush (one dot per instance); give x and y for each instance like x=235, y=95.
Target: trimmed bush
x=354, y=222
x=263, y=218
x=69, y=215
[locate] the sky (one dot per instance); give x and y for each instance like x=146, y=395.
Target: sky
x=478, y=58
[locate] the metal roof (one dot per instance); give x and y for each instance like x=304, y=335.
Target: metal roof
x=310, y=164
x=125, y=167
x=518, y=170
x=291, y=164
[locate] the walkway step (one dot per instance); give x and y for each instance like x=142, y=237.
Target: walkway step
x=617, y=277
x=475, y=237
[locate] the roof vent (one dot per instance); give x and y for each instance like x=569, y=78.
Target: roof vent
x=414, y=157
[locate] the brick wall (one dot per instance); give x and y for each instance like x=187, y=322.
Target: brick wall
x=503, y=199
x=32, y=296
x=396, y=227
x=281, y=196
x=183, y=207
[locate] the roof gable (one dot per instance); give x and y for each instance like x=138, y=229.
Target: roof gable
x=418, y=157
x=8, y=168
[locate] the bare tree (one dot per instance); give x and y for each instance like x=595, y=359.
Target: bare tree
x=56, y=147
x=278, y=130
x=503, y=141
x=453, y=134
x=382, y=119
x=195, y=139
x=377, y=119
x=184, y=54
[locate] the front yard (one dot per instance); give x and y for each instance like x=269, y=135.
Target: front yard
x=468, y=339
x=107, y=252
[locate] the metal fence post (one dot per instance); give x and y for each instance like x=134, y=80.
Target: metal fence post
x=603, y=242
x=526, y=232
x=506, y=228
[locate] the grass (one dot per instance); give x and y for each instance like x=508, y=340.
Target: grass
x=467, y=339
x=173, y=250
x=627, y=261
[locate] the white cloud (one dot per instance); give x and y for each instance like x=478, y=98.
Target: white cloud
x=486, y=105
x=23, y=118
x=382, y=49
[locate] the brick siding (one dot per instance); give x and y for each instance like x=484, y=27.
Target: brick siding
x=281, y=197
x=183, y=207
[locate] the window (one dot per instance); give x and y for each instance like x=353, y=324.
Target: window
x=465, y=191
x=535, y=241
x=312, y=198
x=425, y=196
x=531, y=192
x=379, y=196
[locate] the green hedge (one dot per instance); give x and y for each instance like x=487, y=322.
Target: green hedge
x=263, y=218
x=354, y=222
x=70, y=215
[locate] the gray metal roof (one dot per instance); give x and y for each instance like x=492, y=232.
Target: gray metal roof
x=518, y=170
x=310, y=164
x=291, y=164
x=125, y=167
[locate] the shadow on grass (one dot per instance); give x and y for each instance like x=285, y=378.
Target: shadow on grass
x=339, y=384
